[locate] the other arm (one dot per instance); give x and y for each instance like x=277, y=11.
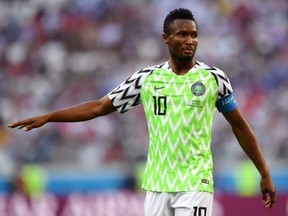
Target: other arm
x=80, y=112
x=248, y=142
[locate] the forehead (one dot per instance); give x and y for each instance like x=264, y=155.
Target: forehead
x=182, y=24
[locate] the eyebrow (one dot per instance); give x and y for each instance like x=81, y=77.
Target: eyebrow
x=185, y=31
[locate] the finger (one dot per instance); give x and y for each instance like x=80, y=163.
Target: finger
x=13, y=124
x=20, y=124
x=16, y=124
x=268, y=203
x=272, y=199
x=265, y=202
x=29, y=127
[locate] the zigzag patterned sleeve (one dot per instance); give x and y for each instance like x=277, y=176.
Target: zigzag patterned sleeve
x=223, y=82
x=224, y=85
x=226, y=101
x=127, y=94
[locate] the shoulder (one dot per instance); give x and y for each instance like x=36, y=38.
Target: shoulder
x=152, y=68
x=223, y=82
x=135, y=81
x=214, y=70
x=139, y=76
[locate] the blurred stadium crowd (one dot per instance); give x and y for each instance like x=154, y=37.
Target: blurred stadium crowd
x=58, y=53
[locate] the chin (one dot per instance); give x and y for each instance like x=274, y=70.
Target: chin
x=186, y=58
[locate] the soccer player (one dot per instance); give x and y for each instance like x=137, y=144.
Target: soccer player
x=179, y=97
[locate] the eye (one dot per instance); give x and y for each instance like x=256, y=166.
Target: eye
x=195, y=35
x=181, y=34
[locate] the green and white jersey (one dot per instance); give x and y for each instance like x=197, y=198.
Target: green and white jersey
x=179, y=112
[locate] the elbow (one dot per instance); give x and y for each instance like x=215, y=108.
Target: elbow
x=103, y=107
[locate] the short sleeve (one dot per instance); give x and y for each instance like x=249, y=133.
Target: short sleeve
x=225, y=100
x=127, y=94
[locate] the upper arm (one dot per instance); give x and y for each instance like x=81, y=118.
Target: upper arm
x=235, y=118
x=225, y=101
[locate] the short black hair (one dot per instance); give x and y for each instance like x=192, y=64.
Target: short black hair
x=180, y=13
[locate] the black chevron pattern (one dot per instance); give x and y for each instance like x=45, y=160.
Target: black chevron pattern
x=221, y=78
x=127, y=94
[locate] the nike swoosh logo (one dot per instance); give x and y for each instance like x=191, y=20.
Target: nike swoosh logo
x=158, y=88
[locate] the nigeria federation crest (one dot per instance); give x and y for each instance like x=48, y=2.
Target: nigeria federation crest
x=198, y=89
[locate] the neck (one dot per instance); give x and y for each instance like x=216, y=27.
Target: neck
x=181, y=67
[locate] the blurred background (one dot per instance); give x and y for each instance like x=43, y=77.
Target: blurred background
x=57, y=53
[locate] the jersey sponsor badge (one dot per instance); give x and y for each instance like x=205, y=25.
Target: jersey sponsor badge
x=198, y=89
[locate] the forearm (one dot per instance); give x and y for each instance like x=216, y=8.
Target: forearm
x=80, y=112
x=249, y=144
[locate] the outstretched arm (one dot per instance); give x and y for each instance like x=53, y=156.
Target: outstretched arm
x=248, y=142
x=80, y=112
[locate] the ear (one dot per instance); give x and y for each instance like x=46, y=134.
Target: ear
x=165, y=38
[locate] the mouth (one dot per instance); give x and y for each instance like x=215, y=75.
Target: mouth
x=188, y=51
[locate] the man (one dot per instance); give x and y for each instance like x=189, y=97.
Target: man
x=180, y=98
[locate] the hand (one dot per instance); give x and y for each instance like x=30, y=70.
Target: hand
x=29, y=123
x=268, y=192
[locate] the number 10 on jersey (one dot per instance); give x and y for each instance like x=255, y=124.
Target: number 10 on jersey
x=200, y=211
x=160, y=105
